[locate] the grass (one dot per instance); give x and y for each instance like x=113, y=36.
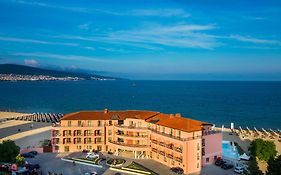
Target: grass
x=137, y=166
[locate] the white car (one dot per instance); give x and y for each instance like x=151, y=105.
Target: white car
x=92, y=173
x=239, y=169
x=92, y=155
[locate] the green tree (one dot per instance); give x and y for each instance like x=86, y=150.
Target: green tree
x=274, y=166
x=20, y=161
x=8, y=151
x=253, y=167
x=262, y=149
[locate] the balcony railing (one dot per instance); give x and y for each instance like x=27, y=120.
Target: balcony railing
x=172, y=136
x=170, y=146
x=178, y=159
x=130, y=127
x=127, y=135
x=129, y=145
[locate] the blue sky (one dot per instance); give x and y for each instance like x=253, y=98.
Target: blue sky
x=218, y=39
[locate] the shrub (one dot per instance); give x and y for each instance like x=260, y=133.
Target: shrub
x=20, y=161
x=8, y=151
x=262, y=149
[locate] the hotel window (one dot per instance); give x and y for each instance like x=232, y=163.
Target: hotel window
x=89, y=147
x=68, y=140
x=69, y=123
x=109, y=139
x=198, y=146
x=171, y=131
x=139, y=124
x=109, y=132
x=78, y=140
x=178, y=133
x=203, y=151
x=110, y=122
x=98, y=140
x=99, y=123
x=131, y=123
x=90, y=123
x=79, y=147
x=66, y=149
x=79, y=123
x=197, y=165
x=207, y=160
x=198, y=156
x=173, y=162
x=215, y=157
x=165, y=159
x=163, y=129
x=203, y=142
x=99, y=148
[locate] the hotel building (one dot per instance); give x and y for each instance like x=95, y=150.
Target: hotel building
x=170, y=139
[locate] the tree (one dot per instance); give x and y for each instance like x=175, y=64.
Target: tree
x=8, y=151
x=253, y=167
x=262, y=149
x=20, y=161
x=274, y=166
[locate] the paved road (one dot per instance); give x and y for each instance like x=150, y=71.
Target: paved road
x=33, y=140
x=50, y=162
x=24, y=127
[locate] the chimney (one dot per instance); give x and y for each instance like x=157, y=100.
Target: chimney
x=105, y=111
x=171, y=115
x=178, y=115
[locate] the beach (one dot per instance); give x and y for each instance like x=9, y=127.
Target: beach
x=24, y=133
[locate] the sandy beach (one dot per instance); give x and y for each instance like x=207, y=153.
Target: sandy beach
x=21, y=131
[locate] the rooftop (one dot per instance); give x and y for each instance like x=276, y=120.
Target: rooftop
x=167, y=120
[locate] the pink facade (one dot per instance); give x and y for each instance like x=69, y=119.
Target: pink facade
x=140, y=135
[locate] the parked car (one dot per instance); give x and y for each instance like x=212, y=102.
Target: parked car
x=91, y=173
x=239, y=169
x=226, y=166
x=34, y=152
x=220, y=162
x=177, y=170
x=27, y=155
x=92, y=155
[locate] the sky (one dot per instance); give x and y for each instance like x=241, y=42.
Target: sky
x=152, y=40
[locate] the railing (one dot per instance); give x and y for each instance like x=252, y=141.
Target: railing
x=129, y=145
x=178, y=159
x=127, y=135
x=130, y=127
x=172, y=147
x=172, y=136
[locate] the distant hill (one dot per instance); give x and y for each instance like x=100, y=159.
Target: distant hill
x=27, y=70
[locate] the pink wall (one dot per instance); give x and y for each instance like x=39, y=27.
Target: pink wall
x=213, y=147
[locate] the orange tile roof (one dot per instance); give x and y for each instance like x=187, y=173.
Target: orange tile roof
x=109, y=115
x=171, y=121
x=177, y=122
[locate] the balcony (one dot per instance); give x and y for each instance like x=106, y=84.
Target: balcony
x=128, y=135
x=155, y=150
x=129, y=145
x=172, y=136
x=178, y=159
x=170, y=156
x=169, y=146
x=130, y=127
x=162, y=153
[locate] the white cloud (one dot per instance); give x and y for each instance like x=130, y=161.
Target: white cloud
x=31, y=62
x=160, y=12
x=254, y=40
x=61, y=57
x=153, y=37
x=84, y=26
x=26, y=40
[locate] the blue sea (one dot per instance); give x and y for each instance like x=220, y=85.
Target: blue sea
x=220, y=102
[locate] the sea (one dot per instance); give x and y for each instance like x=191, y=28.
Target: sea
x=245, y=103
